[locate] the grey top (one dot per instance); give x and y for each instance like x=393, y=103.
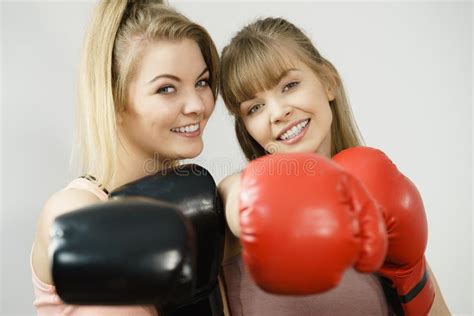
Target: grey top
x=357, y=294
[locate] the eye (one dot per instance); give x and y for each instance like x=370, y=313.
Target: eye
x=290, y=86
x=202, y=83
x=254, y=108
x=166, y=90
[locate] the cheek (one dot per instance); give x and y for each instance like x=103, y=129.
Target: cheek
x=326, y=114
x=209, y=102
x=162, y=116
x=321, y=108
x=258, y=130
x=132, y=120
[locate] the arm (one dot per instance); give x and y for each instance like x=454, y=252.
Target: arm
x=59, y=203
x=439, y=307
x=193, y=189
x=229, y=189
x=405, y=219
x=283, y=214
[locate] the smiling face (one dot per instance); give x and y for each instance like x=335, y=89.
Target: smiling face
x=292, y=116
x=169, y=102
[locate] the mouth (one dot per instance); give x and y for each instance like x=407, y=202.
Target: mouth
x=294, y=133
x=191, y=130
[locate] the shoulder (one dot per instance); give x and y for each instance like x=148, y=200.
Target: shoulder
x=229, y=182
x=229, y=187
x=65, y=201
x=59, y=203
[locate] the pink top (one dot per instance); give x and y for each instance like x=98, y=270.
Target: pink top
x=356, y=294
x=47, y=301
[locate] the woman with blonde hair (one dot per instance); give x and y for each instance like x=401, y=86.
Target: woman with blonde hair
x=147, y=87
x=285, y=235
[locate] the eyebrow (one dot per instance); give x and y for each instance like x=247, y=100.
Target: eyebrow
x=174, y=77
x=285, y=73
x=282, y=75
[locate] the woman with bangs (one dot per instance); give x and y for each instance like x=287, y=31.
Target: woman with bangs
x=287, y=98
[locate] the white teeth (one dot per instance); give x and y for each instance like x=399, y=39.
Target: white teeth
x=186, y=129
x=294, y=131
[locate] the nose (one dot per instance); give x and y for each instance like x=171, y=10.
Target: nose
x=194, y=104
x=279, y=111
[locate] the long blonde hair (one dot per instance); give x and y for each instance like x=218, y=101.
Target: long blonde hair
x=254, y=61
x=117, y=34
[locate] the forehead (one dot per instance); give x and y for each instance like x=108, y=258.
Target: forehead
x=258, y=70
x=177, y=57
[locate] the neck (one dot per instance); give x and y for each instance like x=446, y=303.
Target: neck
x=133, y=165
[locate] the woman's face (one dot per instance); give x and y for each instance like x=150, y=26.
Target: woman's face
x=293, y=116
x=169, y=102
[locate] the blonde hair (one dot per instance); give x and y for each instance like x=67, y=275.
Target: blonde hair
x=117, y=35
x=254, y=61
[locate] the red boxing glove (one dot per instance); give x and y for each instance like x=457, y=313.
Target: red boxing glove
x=304, y=221
x=405, y=221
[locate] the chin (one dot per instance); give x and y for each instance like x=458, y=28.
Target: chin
x=299, y=148
x=188, y=154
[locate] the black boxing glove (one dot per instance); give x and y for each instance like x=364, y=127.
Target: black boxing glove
x=123, y=252
x=193, y=189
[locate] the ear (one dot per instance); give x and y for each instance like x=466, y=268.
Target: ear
x=331, y=83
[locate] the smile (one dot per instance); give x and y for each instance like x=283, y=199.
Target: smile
x=294, y=132
x=190, y=130
x=186, y=129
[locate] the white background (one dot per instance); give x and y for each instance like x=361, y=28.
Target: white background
x=407, y=68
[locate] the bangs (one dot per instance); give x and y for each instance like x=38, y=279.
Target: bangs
x=253, y=66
